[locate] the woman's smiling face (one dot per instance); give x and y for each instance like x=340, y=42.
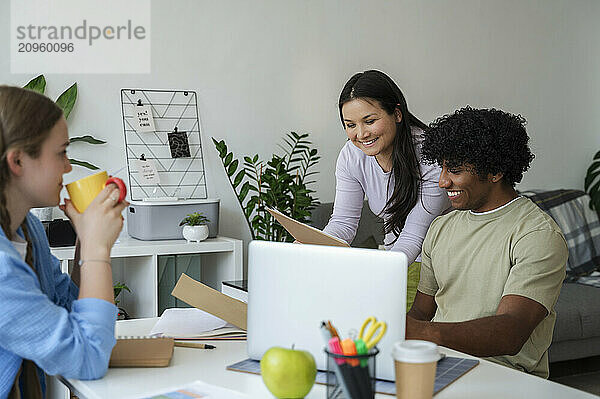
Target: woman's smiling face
x=371, y=128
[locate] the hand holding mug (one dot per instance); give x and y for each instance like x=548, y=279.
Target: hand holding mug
x=95, y=208
x=83, y=191
x=101, y=222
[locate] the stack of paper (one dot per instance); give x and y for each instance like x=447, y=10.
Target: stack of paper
x=192, y=323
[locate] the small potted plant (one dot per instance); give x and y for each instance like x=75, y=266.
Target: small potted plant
x=117, y=288
x=195, y=227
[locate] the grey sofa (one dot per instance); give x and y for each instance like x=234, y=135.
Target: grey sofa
x=577, y=328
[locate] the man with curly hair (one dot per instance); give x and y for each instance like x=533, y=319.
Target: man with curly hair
x=492, y=269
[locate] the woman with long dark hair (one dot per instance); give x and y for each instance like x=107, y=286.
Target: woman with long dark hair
x=381, y=161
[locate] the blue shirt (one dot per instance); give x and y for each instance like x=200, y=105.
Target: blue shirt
x=41, y=318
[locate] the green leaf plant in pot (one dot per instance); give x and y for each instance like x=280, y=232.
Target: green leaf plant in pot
x=281, y=183
x=195, y=227
x=592, y=183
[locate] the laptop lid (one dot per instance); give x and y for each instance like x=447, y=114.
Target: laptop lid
x=293, y=287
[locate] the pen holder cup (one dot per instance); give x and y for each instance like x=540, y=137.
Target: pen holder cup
x=351, y=377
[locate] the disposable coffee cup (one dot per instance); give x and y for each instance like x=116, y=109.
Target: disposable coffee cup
x=83, y=191
x=415, y=363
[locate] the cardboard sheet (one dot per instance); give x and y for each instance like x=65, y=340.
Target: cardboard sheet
x=304, y=233
x=212, y=301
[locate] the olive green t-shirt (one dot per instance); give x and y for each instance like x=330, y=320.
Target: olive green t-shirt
x=470, y=261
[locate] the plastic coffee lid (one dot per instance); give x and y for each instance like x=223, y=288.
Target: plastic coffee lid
x=416, y=351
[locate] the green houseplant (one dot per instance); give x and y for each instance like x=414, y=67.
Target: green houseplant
x=117, y=288
x=195, y=219
x=280, y=183
x=592, y=183
x=66, y=101
x=195, y=227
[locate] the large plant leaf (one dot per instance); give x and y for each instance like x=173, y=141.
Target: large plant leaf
x=594, y=193
x=83, y=163
x=37, y=84
x=86, y=139
x=244, y=192
x=228, y=159
x=66, y=101
x=591, y=177
x=592, y=182
x=221, y=147
x=238, y=178
x=232, y=168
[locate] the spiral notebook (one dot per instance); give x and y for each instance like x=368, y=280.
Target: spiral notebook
x=142, y=351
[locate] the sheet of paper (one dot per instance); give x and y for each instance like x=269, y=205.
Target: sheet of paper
x=147, y=172
x=186, y=322
x=212, y=301
x=143, y=121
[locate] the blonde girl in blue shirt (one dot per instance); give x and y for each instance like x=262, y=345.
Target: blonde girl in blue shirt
x=47, y=323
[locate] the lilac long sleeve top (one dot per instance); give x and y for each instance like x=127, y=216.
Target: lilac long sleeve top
x=358, y=174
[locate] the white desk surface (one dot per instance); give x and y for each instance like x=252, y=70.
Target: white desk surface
x=486, y=380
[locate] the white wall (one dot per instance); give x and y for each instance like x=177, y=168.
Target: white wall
x=263, y=68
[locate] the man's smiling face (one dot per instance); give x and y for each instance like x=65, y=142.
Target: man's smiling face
x=466, y=189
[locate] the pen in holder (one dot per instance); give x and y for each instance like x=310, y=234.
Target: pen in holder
x=351, y=377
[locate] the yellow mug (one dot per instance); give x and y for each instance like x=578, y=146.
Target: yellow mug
x=83, y=191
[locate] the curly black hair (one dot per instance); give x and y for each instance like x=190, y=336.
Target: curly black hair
x=490, y=140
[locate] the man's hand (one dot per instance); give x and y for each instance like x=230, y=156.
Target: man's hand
x=505, y=333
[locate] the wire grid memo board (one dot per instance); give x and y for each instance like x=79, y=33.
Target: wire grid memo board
x=180, y=178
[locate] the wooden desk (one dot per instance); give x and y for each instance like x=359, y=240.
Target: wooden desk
x=487, y=380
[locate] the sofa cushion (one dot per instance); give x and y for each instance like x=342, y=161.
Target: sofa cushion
x=579, y=224
x=578, y=312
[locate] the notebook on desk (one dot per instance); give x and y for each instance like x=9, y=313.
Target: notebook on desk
x=142, y=352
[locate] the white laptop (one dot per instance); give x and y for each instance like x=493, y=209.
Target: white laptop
x=293, y=287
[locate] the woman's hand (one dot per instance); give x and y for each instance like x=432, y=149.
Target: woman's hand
x=100, y=224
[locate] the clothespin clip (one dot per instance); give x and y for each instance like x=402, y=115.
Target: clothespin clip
x=143, y=157
x=139, y=102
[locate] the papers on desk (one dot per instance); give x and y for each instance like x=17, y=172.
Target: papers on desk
x=192, y=323
x=199, y=389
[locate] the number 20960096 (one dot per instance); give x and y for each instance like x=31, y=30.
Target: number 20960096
x=46, y=48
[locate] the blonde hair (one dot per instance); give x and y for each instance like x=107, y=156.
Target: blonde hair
x=26, y=118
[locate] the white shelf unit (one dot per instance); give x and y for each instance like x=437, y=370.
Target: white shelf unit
x=135, y=262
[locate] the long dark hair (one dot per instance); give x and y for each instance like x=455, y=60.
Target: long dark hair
x=376, y=85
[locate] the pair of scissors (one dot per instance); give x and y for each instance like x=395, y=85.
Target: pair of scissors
x=369, y=337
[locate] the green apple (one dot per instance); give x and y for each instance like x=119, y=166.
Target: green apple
x=288, y=373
